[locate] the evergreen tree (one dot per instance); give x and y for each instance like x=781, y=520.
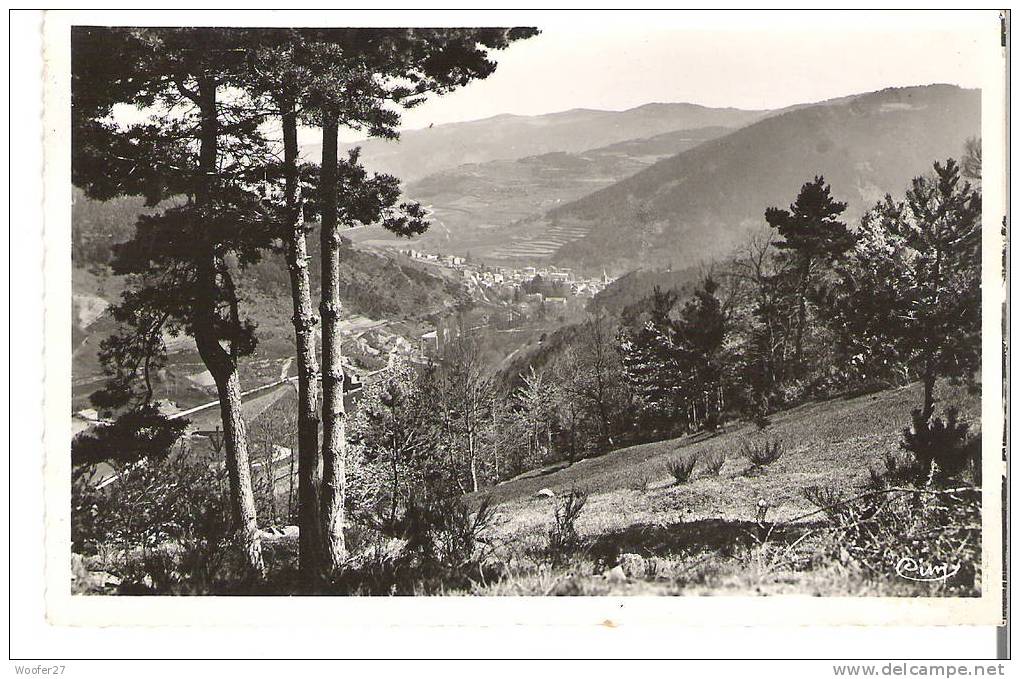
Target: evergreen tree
x=859, y=306
x=393, y=66
x=914, y=279
x=703, y=329
x=814, y=238
x=674, y=365
x=139, y=434
x=650, y=358
x=203, y=146
x=277, y=74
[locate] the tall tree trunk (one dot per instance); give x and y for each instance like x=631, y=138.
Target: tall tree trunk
x=495, y=445
x=395, y=488
x=472, y=463
x=929, y=391
x=333, y=435
x=798, y=347
x=239, y=469
x=221, y=364
x=304, y=319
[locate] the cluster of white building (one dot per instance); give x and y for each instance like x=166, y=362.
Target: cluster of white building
x=446, y=260
x=377, y=342
x=512, y=279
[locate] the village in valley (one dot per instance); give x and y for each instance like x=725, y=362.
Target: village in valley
x=504, y=280
x=507, y=299
x=657, y=347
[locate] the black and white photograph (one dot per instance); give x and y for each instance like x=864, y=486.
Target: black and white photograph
x=691, y=312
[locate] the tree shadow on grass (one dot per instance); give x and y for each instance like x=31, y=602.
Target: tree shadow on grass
x=686, y=538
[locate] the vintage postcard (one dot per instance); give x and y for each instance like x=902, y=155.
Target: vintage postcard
x=525, y=317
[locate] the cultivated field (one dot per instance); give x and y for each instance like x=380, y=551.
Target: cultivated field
x=544, y=244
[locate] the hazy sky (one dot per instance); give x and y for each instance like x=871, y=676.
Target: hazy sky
x=751, y=64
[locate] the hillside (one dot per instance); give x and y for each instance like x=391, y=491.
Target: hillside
x=378, y=286
x=698, y=538
x=419, y=153
x=475, y=206
x=697, y=204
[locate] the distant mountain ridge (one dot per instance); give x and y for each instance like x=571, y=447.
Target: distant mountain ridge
x=419, y=153
x=699, y=203
x=474, y=206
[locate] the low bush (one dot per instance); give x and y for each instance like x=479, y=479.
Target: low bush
x=714, y=462
x=443, y=536
x=681, y=467
x=160, y=525
x=946, y=443
x=761, y=451
x=920, y=533
x=642, y=483
x=563, y=536
x=895, y=469
x=826, y=497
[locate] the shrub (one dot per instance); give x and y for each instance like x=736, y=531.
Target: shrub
x=825, y=497
x=563, y=536
x=642, y=483
x=442, y=533
x=442, y=550
x=680, y=467
x=138, y=434
x=762, y=451
x=714, y=462
x=895, y=470
x=930, y=529
x=945, y=443
x=162, y=523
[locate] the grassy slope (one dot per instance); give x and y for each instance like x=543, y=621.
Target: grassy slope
x=694, y=531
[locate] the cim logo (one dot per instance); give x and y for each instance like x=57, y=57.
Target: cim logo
x=919, y=570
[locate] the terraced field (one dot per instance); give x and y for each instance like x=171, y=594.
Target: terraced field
x=540, y=245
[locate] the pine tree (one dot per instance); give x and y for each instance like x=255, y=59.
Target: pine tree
x=199, y=145
x=703, y=329
x=674, y=364
x=390, y=66
x=814, y=238
x=912, y=285
x=650, y=359
x=277, y=77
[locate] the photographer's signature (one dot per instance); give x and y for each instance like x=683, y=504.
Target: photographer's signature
x=920, y=570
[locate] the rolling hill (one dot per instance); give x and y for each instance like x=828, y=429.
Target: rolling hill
x=699, y=203
x=475, y=205
x=419, y=153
